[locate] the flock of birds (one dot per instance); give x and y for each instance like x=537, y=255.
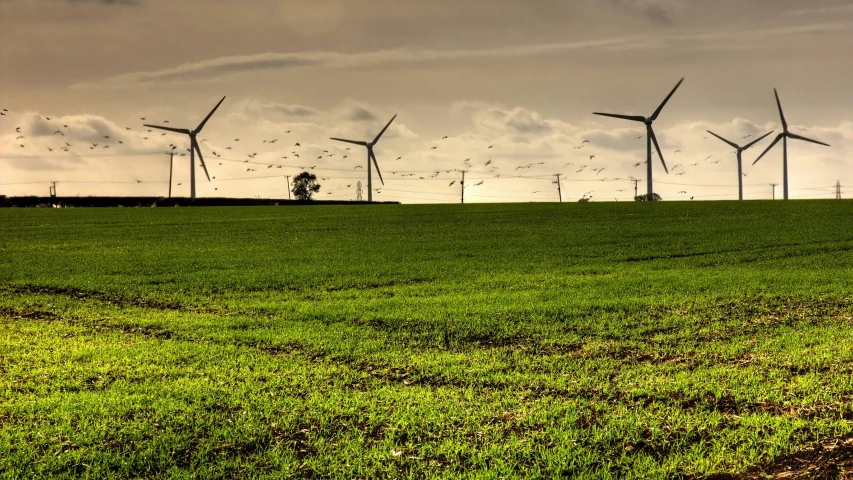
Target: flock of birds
x=296, y=154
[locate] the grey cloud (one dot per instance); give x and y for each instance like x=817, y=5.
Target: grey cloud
x=223, y=66
x=661, y=12
x=359, y=113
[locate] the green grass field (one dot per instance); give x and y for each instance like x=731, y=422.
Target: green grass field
x=484, y=341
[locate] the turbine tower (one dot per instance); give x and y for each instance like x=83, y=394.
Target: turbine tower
x=193, y=146
x=784, y=136
x=740, y=151
x=650, y=135
x=370, y=157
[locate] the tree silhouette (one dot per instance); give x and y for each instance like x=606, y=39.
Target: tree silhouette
x=305, y=185
x=645, y=198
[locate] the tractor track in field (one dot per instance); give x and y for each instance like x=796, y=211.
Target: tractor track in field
x=85, y=294
x=829, y=459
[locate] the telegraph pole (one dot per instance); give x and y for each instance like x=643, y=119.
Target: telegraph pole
x=171, y=167
x=838, y=190
x=287, y=178
x=774, y=189
x=463, y=184
x=635, y=186
x=559, y=189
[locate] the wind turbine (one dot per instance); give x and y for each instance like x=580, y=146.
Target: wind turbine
x=193, y=146
x=784, y=136
x=370, y=156
x=650, y=135
x=740, y=151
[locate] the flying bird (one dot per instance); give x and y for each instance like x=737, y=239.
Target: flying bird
x=451, y=183
x=488, y=163
x=59, y=133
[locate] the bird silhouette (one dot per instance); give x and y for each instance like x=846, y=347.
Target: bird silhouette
x=592, y=157
x=18, y=130
x=490, y=146
x=488, y=163
x=297, y=144
x=433, y=148
x=59, y=133
x=451, y=183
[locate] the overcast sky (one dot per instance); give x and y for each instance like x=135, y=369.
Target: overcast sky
x=520, y=76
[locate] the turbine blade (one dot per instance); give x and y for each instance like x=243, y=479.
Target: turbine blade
x=201, y=125
x=799, y=137
x=383, y=131
x=363, y=144
x=375, y=164
x=634, y=118
x=170, y=129
x=750, y=144
x=660, y=154
x=660, y=108
x=781, y=113
x=200, y=157
x=778, y=137
x=723, y=139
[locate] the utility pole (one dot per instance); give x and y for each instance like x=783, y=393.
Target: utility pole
x=838, y=190
x=358, y=196
x=287, y=178
x=774, y=189
x=171, y=167
x=559, y=189
x=463, y=184
x=635, y=186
